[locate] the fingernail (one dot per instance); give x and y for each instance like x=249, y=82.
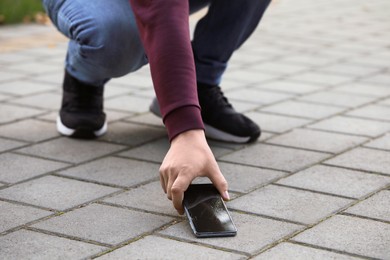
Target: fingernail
x=226, y=195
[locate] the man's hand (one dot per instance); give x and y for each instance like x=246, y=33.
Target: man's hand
x=189, y=157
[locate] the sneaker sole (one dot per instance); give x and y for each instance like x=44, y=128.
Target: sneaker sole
x=212, y=132
x=82, y=133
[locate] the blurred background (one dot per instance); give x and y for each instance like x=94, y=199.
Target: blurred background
x=21, y=11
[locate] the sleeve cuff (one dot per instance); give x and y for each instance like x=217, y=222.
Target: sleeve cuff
x=183, y=119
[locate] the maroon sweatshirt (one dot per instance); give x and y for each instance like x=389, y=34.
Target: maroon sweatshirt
x=164, y=30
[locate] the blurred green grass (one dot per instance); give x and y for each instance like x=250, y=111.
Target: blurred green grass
x=17, y=11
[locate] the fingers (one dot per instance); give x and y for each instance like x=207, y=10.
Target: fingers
x=220, y=183
x=177, y=191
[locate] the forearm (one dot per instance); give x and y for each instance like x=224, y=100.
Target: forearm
x=164, y=31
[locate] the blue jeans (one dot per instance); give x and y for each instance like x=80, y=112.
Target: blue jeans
x=104, y=40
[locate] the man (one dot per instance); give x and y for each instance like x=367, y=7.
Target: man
x=112, y=38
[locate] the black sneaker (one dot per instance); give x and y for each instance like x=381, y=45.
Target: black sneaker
x=221, y=121
x=81, y=114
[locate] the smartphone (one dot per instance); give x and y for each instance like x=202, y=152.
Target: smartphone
x=207, y=212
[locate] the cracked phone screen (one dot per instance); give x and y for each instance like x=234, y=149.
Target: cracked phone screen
x=207, y=212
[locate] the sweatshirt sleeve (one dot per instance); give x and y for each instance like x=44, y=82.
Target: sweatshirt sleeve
x=164, y=31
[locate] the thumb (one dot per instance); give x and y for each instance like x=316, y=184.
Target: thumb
x=220, y=183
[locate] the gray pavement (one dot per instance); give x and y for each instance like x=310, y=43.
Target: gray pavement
x=316, y=77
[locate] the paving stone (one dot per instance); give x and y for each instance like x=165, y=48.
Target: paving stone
x=336, y=181
x=50, y=101
x=380, y=143
x=132, y=134
x=364, y=159
x=13, y=215
x=71, y=150
x=377, y=206
x=321, y=78
x=349, y=69
x=147, y=118
x=275, y=157
x=9, y=76
x=114, y=91
x=256, y=96
x=247, y=239
x=6, y=144
x=55, y=193
x=372, y=112
x=154, y=151
x=349, y=234
x=383, y=78
x=354, y=126
x=276, y=123
x=29, y=130
x=289, y=251
x=147, y=248
x=243, y=178
x=105, y=224
x=290, y=87
x=150, y=197
x=364, y=89
x=32, y=245
x=316, y=140
x=252, y=77
x=337, y=99
x=15, y=167
x=305, y=110
x=24, y=87
x=291, y=204
x=386, y=102
x=278, y=67
x=129, y=103
x=115, y=171
x=307, y=59
x=9, y=113
x=54, y=78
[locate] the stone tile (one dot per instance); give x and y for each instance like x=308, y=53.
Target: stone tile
x=132, y=134
x=288, y=251
x=316, y=140
x=349, y=69
x=152, y=247
x=13, y=215
x=133, y=80
x=354, y=126
x=252, y=77
x=50, y=101
x=104, y=224
x=364, y=159
x=114, y=91
x=147, y=118
x=256, y=96
x=336, y=181
x=306, y=110
x=377, y=206
x=386, y=102
x=337, y=99
x=129, y=103
x=33, y=67
x=55, y=78
x=380, y=143
x=275, y=157
x=243, y=178
x=115, y=171
x=6, y=144
x=29, y=130
x=290, y=87
x=278, y=67
x=24, y=243
x=248, y=238
x=290, y=204
x=9, y=113
x=365, y=89
x=349, y=234
x=150, y=197
x=154, y=151
x=24, y=87
x=321, y=78
x=307, y=59
x=15, y=167
x=383, y=79
x=9, y=76
x=372, y=112
x=276, y=123
x=55, y=193
x=71, y=150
